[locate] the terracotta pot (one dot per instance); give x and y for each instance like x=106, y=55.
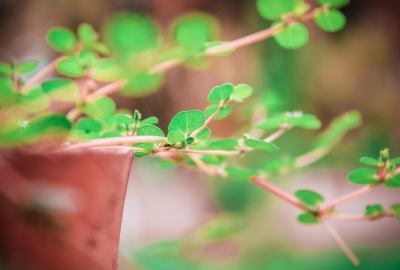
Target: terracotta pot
x=62, y=210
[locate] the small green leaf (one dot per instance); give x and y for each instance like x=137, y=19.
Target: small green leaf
x=101, y=48
x=274, y=122
x=374, y=210
x=306, y=121
x=242, y=91
x=53, y=124
x=292, y=36
x=393, y=182
x=87, y=34
x=106, y=70
x=204, y=134
x=334, y=3
x=61, y=39
x=370, y=161
x=224, y=144
x=88, y=125
x=101, y=107
x=309, y=198
x=240, y=174
x=87, y=59
x=331, y=20
x=221, y=93
x=71, y=67
x=5, y=69
x=176, y=136
x=149, y=130
x=149, y=121
x=261, y=145
x=395, y=161
x=307, y=218
x=190, y=140
x=34, y=100
x=363, y=176
x=187, y=121
x=225, y=111
x=273, y=9
x=27, y=67
x=396, y=210
x=124, y=119
x=61, y=89
x=148, y=146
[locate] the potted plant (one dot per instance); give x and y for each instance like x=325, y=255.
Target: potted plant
x=66, y=150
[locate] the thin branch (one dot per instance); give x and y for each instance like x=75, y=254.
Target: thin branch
x=208, y=121
x=105, y=90
x=204, y=167
x=347, y=197
x=342, y=244
x=312, y=156
x=41, y=75
x=279, y=192
x=278, y=133
x=118, y=141
x=73, y=114
x=210, y=152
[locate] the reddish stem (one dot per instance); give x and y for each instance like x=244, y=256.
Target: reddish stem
x=41, y=75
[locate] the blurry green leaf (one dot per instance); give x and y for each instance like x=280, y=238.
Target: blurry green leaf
x=374, y=210
x=176, y=136
x=174, y=53
x=224, y=144
x=149, y=130
x=242, y=91
x=213, y=44
x=292, y=36
x=240, y=174
x=124, y=119
x=273, y=9
x=8, y=97
x=334, y=3
x=204, y=134
x=190, y=140
x=309, y=198
x=395, y=161
x=148, y=146
x=363, y=176
x=100, y=48
x=167, y=164
x=274, y=122
x=225, y=111
x=87, y=34
x=87, y=59
x=71, y=67
x=61, y=39
x=261, y=145
x=34, y=100
x=187, y=121
x=219, y=228
x=140, y=84
x=88, y=125
x=396, y=210
x=53, y=124
x=213, y=160
x=101, y=107
x=111, y=134
x=150, y=121
x=221, y=93
x=61, y=89
x=331, y=20
x=279, y=165
x=393, y=182
x=307, y=218
x=306, y=121
x=5, y=69
x=370, y=161
x=106, y=70
x=27, y=67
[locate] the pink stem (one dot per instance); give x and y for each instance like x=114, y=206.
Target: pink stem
x=277, y=134
x=207, y=122
x=105, y=90
x=211, y=152
x=118, y=140
x=43, y=74
x=204, y=167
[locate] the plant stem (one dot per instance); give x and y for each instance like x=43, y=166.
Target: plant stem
x=41, y=75
x=311, y=156
x=117, y=141
x=210, y=152
x=208, y=121
x=73, y=114
x=342, y=244
x=279, y=192
x=347, y=197
x=277, y=134
x=204, y=167
x=105, y=90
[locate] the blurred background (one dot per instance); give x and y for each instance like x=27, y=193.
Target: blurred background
x=180, y=218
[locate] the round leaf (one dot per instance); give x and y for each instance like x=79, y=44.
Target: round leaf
x=309, y=198
x=176, y=136
x=61, y=89
x=240, y=174
x=273, y=9
x=331, y=20
x=187, y=121
x=71, y=67
x=261, y=145
x=150, y=120
x=370, y=161
x=307, y=218
x=293, y=36
x=220, y=93
x=225, y=111
x=242, y=91
x=88, y=125
x=374, y=210
x=124, y=119
x=101, y=107
x=87, y=34
x=204, y=134
x=363, y=176
x=61, y=39
x=393, y=182
x=149, y=130
x=27, y=67
x=396, y=210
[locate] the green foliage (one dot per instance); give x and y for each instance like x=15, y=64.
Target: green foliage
x=124, y=119
x=308, y=218
x=370, y=161
x=221, y=93
x=87, y=34
x=224, y=112
x=374, y=211
x=363, y=176
x=204, y=134
x=224, y=144
x=331, y=20
x=272, y=9
x=240, y=174
x=396, y=210
x=393, y=182
x=176, y=136
x=61, y=39
x=309, y=198
x=294, y=119
x=334, y=3
x=5, y=69
x=260, y=145
x=242, y=91
x=61, y=89
x=187, y=121
x=88, y=125
x=26, y=67
x=395, y=161
x=101, y=107
x=71, y=67
x=149, y=130
x=292, y=36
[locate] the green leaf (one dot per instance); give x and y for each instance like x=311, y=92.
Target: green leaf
x=224, y=144
x=204, y=134
x=334, y=3
x=124, y=119
x=363, y=176
x=175, y=136
x=8, y=97
x=88, y=125
x=187, y=121
x=101, y=107
x=261, y=145
x=61, y=39
x=331, y=20
x=87, y=34
x=240, y=174
x=148, y=146
x=190, y=140
x=307, y=218
x=225, y=111
x=5, y=69
x=395, y=161
x=27, y=67
x=221, y=93
x=71, y=67
x=292, y=36
x=61, y=89
x=150, y=121
x=274, y=122
x=393, y=182
x=370, y=161
x=106, y=70
x=396, y=210
x=273, y=9
x=54, y=124
x=87, y=59
x=309, y=198
x=374, y=210
x=149, y=130
x=34, y=100
x=101, y=48
x=242, y=91
x=306, y=121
